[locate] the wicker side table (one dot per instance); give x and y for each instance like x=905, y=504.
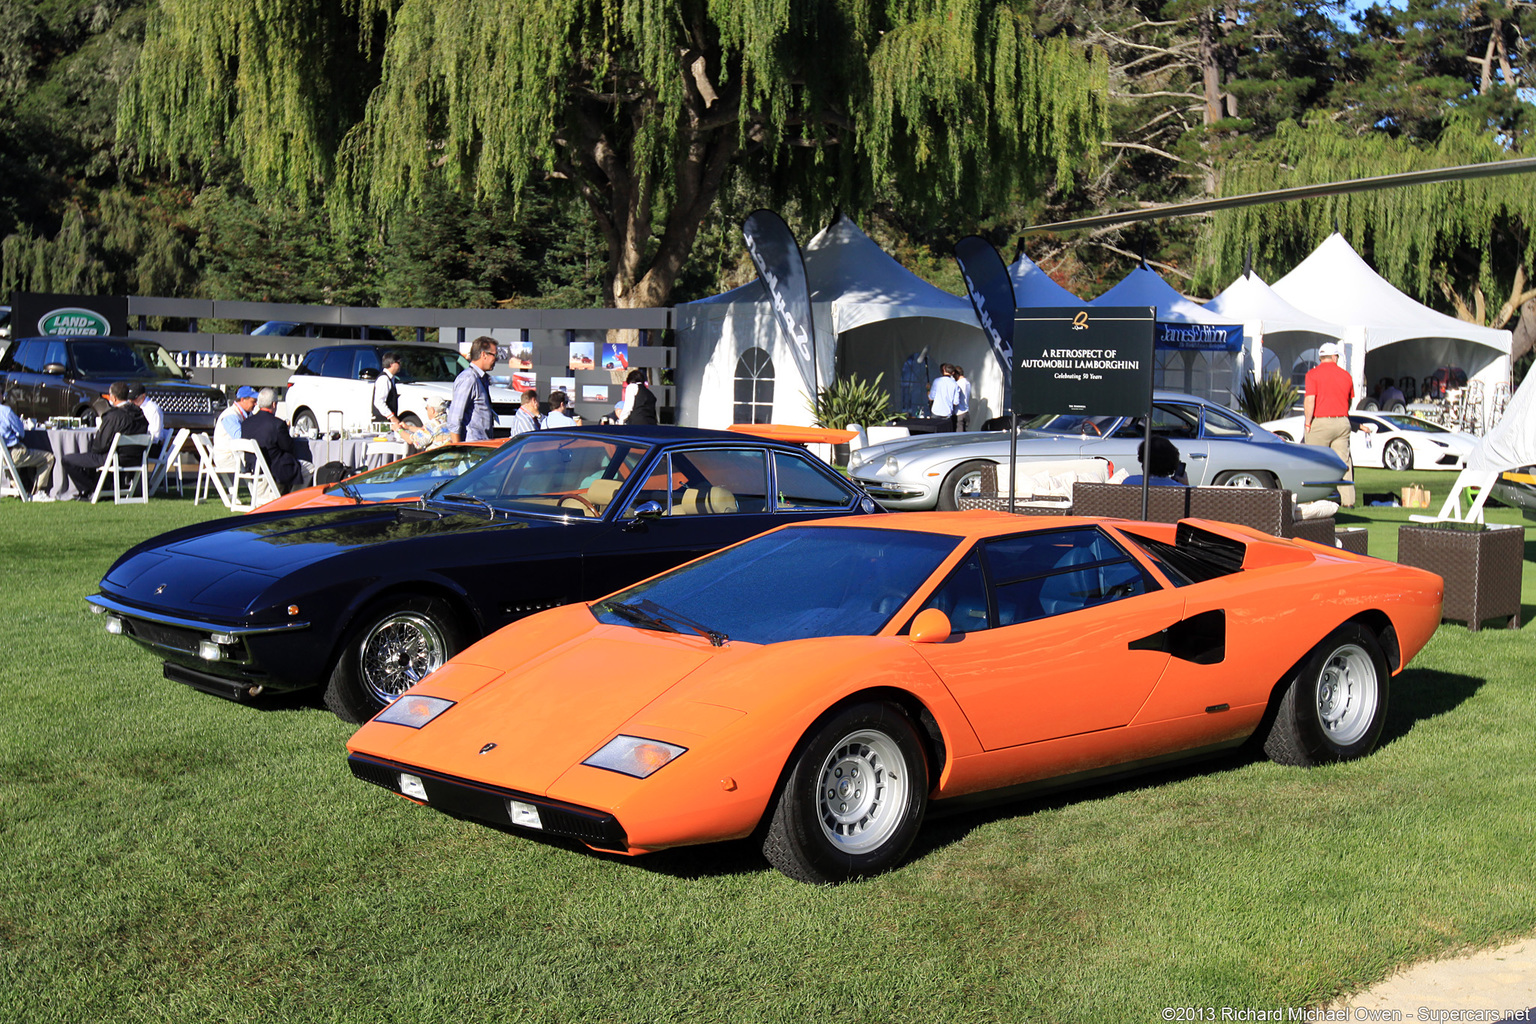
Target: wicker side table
x=1481, y=568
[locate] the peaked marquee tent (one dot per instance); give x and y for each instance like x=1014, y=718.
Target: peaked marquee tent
x=871, y=314
x=1278, y=337
x=1396, y=335
x=1210, y=374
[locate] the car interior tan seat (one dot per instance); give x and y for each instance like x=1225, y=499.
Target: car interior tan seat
x=697, y=501
x=600, y=493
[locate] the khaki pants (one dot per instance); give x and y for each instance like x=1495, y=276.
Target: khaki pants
x=32, y=458
x=1333, y=432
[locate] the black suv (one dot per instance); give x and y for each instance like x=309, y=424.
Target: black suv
x=64, y=376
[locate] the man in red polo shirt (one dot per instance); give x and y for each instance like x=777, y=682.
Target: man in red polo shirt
x=1330, y=393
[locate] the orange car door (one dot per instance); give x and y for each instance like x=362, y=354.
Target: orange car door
x=1056, y=652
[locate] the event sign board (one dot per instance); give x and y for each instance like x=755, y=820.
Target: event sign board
x=1200, y=337
x=1084, y=359
x=991, y=291
x=40, y=314
x=781, y=267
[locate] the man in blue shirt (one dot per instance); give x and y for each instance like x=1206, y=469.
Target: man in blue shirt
x=470, y=416
x=527, y=416
x=1165, y=468
x=944, y=393
x=228, y=429
x=11, y=429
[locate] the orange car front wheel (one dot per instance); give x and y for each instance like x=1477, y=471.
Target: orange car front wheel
x=854, y=797
x=1334, y=706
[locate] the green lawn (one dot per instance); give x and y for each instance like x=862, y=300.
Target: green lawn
x=171, y=856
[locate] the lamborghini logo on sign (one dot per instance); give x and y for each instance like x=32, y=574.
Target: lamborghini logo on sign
x=1080, y=322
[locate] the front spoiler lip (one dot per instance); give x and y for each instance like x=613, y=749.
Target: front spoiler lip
x=101, y=603
x=486, y=803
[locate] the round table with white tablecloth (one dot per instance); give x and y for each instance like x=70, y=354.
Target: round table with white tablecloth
x=61, y=443
x=351, y=452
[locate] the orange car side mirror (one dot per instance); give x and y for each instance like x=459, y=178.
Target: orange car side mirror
x=930, y=627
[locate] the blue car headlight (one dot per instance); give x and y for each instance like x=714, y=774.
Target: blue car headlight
x=413, y=711
x=634, y=755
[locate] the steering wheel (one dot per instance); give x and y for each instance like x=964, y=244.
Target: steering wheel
x=1090, y=427
x=581, y=502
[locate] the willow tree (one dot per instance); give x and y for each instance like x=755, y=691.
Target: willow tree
x=644, y=107
x=1466, y=245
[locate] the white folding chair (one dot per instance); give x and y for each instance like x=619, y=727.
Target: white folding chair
x=118, y=468
x=10, y=477
x=170, y=453
x=1478, y=481
x=208, y=472
x=258, y=478
x=389, y=450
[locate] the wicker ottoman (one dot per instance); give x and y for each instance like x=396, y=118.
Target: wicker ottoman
x=1354, y=539
x=1481, y=568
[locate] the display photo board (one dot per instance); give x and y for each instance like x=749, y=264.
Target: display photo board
x=1084, y=360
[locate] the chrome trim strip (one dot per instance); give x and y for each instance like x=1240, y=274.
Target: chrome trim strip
x=101, y=603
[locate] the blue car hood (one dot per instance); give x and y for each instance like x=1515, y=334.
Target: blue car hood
x=226, y=565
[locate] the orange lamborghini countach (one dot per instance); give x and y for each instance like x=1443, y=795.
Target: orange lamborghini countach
x=820, y=685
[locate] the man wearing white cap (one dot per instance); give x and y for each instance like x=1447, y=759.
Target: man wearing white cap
x=1330, y=393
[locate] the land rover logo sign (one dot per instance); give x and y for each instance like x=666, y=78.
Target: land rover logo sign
x=74, y=321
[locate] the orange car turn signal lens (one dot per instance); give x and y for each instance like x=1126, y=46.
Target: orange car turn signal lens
x=634, y=755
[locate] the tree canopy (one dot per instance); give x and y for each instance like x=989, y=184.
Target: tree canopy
x=644, y=107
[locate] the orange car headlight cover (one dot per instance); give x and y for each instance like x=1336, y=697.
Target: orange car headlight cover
x=635, y=755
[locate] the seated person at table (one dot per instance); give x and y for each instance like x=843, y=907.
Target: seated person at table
x=1165, y=468
x=433, y=434
x=276, y=444
x=227, y=429
x=123, y=418
x=11, y=430
x=153, y=415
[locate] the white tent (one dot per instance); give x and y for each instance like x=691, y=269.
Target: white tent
x=1399, y=336
x=870, y=313
x=1278, y=337
x=1211, y=375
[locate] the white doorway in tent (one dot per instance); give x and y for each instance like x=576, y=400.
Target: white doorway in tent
x=1211, y=375
x=883, y=347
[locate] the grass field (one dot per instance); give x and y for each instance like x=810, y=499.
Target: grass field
x=168, y=856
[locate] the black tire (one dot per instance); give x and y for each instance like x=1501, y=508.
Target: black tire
x=1398, y=407
x=1246, y=478
x=410, y=419
x=853, y=799
x=1284, y=435
x=1333, y=707
x=393, y=644
x=304, y=422
x=964, y=479
x=1397, y=455
x=87, y=415
x=1369, y=405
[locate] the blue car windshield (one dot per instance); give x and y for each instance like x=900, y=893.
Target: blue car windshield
x=551, y=472
x=408, y=478
x=793, y=584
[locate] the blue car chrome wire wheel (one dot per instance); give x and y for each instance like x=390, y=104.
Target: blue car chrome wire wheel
x=863, y=791
x=398, y=652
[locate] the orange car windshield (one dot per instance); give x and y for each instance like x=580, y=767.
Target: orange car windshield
x=797, y=583
x=411, y=477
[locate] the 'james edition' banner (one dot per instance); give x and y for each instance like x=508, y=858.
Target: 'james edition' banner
x=781, y=267
x=991, y=291
x=1200, y=337
x=1084, y=359
x=39, y=314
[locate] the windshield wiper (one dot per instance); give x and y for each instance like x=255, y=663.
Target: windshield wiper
x=490, y=510
x=714, y=636
x=350, y=490
x=632, y=613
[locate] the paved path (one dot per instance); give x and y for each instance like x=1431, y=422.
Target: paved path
x=1500, y=980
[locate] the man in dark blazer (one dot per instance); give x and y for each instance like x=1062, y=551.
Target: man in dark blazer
x=271, y=435
x=123, y=418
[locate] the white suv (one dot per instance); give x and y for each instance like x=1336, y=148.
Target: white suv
x=333, y=387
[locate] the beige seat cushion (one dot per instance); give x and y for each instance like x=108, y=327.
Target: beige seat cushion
x=600, y=492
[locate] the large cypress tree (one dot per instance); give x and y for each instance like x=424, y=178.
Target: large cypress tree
x=644, y=107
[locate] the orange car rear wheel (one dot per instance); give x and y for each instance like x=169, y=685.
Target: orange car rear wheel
x=854, y=797
x=1334, y=706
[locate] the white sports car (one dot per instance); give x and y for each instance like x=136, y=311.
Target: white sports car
x=1393, y=440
